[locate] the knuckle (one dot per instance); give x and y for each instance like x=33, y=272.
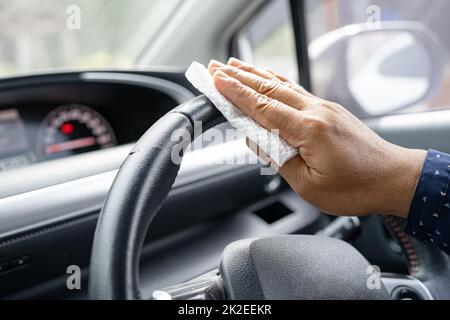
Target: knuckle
x=245, y=94
x=333, y=106
x=262, y=107
x=267, y=87
x=316, y=123
x=262, y=102
x=290, y=85
x=236, y=86
x=296, y=87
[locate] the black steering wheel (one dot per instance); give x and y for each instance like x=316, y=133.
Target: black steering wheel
x=289, y=267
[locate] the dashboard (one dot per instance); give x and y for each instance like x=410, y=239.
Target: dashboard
x=63, y=138
x=79, y=113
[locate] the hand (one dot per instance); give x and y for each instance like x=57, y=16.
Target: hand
x=344, y=168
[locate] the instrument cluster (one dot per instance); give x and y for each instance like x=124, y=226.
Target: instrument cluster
x=63, y=131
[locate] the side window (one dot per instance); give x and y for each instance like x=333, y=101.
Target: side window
x=380, y=57
x=268, y=39
x=375, y=57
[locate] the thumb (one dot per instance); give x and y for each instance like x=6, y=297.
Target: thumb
x=261, y=154
x=292, y=171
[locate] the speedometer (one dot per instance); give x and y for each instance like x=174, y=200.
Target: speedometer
x=74, y=129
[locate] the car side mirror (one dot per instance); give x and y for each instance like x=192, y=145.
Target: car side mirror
x=377, y=69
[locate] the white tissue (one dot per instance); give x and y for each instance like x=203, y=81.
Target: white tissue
x=275, y=147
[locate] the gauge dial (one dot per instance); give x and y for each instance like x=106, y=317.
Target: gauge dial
x=74, y=129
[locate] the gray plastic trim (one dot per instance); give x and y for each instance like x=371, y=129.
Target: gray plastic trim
x=76, y=198
x=426, y=130
x=179, y=93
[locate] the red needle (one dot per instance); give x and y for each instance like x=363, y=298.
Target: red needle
x=70, y=145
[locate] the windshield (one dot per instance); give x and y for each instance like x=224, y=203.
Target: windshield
x=39, y=35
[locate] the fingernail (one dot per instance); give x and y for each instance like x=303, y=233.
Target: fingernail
x=234, y=61
x=215, y=63
x=213, y=69
x=222, y=75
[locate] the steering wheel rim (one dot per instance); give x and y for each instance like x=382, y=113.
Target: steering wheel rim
x=138, y=192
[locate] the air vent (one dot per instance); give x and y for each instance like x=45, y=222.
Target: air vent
x=273, y=212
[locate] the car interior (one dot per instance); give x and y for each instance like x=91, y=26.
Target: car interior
x=86, y=117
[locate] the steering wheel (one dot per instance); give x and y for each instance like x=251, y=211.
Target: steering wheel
x=284, y=267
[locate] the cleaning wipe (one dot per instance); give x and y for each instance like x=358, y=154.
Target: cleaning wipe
x=270, y=142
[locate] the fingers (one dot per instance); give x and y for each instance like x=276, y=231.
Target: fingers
x=292, y=171
x=268, y=74
x=290, y=84
x=271, y=88
x=215, y=65
x=277, y=75
x=268, y=112
x=295, y=172
x=262, y=72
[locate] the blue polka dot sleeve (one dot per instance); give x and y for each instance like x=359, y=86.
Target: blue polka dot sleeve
x=429, y=216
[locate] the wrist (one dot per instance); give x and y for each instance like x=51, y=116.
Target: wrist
x=407, y=175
